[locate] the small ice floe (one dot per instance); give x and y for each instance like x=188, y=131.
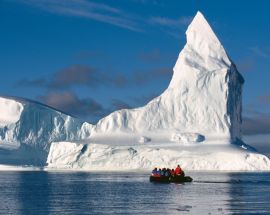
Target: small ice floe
x=144, y=139
x=187, y=138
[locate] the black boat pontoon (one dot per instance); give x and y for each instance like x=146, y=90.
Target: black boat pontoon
x=171, y=179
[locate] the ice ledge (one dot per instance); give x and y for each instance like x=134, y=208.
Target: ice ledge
x=77, y=156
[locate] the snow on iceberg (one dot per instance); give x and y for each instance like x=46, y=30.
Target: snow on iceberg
x=10, y=111
x=66, y=156
x=204, y=95
x=187, y=138
x=202, y=104
x=144, y=139
x=27, y=128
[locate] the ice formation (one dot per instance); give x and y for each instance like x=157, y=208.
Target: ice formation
x=27, y=128
x=204, y=95
x=68, y=156
x=196, y=122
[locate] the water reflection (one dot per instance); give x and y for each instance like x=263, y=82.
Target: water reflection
x=208, y=193
x=9, y=203
x=121, y=193
x=250, y=194
x=33, y=192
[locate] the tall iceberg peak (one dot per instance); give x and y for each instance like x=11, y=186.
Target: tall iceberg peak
x=203, y=51
x=200, y=33
x=204, y=95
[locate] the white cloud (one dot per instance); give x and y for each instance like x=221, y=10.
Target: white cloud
x=260, y=52
x=107, y=14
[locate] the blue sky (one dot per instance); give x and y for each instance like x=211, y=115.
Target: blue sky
x=89, y=58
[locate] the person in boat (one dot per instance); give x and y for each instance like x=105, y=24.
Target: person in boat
x=179, y=171
x=163, y=171
x=154, y=172
x=159, y=172
x=172, y=172
x=167, y=172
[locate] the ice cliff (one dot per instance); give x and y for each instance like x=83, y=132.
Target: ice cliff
x=29, y=126
x=204, y=95
x=223, y=157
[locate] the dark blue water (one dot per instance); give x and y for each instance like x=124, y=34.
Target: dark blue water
x=131, y=193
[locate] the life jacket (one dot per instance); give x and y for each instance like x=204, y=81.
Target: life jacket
x=178, y=171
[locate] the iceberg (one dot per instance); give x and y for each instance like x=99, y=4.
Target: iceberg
x=195, y=122
x=27, y=129
x=204, y=95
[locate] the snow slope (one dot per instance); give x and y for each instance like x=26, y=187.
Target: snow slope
x=27, y=128
x=204, y=95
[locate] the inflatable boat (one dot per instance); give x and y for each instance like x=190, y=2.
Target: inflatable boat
x=171, y=179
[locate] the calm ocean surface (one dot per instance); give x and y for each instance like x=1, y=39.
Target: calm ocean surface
x=132, y=193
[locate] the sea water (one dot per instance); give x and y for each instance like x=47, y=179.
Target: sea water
x=132, y=193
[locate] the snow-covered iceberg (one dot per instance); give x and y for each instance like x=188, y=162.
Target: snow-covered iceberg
x=204, y=95
x=27, y=129
x=195, y=122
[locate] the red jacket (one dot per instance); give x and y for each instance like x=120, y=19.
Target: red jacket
x=178, y=171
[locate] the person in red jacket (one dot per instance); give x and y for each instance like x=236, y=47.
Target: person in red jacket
x=178, y=170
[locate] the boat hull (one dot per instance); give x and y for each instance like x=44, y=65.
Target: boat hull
x=173, y=179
